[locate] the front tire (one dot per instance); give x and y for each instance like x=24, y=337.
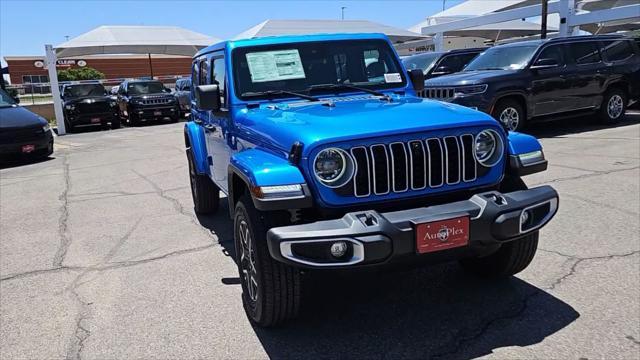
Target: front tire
x=270, y=289
x=510, y=114
x=510, y=259
x=205, y=194
x=115, y=123
x=614, y=105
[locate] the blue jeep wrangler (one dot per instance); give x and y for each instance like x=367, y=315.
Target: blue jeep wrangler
x=329, y=161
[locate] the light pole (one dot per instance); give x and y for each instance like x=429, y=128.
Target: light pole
x=342, y=12
x=543, y=22
x=443, y=4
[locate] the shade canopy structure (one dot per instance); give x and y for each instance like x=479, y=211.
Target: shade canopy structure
x=501, y=31
x=168, y=40
x=302, y=27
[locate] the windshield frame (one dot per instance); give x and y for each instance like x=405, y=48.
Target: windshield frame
x=534, y=50
x=236, y=52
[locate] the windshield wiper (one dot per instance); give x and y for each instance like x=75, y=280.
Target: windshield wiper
x=343, y=86
x=272, y=93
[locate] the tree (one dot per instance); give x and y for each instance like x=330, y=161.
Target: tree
x=12, y=92
x=83, y=73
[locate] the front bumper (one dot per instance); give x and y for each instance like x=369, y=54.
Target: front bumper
x=151, y=112
x=42, y=146
x=91, y=119
x=384, y=238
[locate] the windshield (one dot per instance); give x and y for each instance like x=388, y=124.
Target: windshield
x=422, y=61
x=5, y=99
x=503, y=58
x=73, y=91
x=147, y=87
x=297, y=67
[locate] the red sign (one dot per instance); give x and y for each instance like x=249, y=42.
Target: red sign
x=442, y=235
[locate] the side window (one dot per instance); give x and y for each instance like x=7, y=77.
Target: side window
x=194, y=73
x=585, y=52
x=203, y=73
x=617, y=50
x=554, y=52
x=455, y=63
x=218, y=68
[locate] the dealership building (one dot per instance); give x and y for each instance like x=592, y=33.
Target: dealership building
x=32, y=69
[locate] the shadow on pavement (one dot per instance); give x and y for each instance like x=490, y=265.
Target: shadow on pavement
x=577, y=125
x=22, y=161
x=432, y=312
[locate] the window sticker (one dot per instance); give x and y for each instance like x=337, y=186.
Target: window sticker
x=392, y=78
x=275, y=65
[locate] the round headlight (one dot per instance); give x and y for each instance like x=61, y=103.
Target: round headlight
x=488, y=148
x=333, y=167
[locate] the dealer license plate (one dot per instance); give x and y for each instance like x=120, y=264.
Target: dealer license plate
x=157, y=113
x=28, y=148
x=95, y=120
x=442, y=235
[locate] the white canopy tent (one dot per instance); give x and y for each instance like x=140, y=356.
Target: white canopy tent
x=167, y=40
x=302, y=27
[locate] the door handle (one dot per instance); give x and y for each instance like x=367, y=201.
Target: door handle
x=210, y=128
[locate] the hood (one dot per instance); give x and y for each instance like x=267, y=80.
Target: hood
x=313, y=124
x=468, y=77
x=19, y=117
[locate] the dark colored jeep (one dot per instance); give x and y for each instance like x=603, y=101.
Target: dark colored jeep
x=87, y=105
x=183, y=95
x=542, y=79
x=146, y=100
x=435, y=64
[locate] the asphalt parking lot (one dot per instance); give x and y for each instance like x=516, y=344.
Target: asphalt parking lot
x=103, y=257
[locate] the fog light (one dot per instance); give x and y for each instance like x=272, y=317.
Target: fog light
x=338, y=249
x=524, y=217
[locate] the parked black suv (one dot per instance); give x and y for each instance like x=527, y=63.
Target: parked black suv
x=540, y=79
x=88, y=104
x=435, y=64
x=23, y=134
x=143, y=100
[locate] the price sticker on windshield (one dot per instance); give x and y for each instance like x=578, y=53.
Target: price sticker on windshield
x=275, y=65
x=392, y=78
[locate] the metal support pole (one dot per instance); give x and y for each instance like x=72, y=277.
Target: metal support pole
x=565, y=12
x=438, y=41
x=150, y=65
x=55, y=91
x=543, y=22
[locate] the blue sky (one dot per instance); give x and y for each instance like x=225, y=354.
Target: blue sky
x=25, y=26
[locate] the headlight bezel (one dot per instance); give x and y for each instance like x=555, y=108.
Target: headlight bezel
x=70, y=107
x=466, y=90
x=46, y=127
x=497, y=152
x=346, y=172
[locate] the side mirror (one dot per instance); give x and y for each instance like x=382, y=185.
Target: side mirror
x=442, y=70
x=545, y=63
x=167, y=90
x=208, y=97
x=417, y=79
x=16, y=99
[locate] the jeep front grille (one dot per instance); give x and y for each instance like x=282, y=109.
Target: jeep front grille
x=414, y=165
x=156, y=101
x=437, y=93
